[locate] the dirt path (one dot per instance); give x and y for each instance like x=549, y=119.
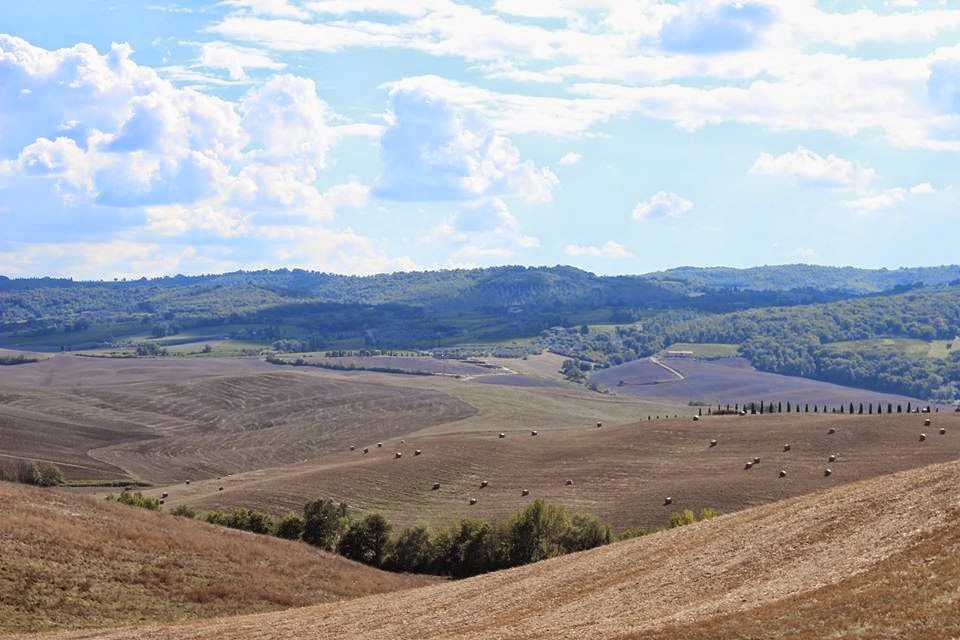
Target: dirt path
x=655, y=361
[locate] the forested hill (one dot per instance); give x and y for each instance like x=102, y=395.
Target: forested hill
x=404, y=310
x=798, y=276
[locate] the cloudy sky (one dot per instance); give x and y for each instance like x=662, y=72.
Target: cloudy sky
x=364, y=136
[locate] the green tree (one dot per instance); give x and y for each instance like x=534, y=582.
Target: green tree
x=585, y=532
x=323, y=523
x=366, y=540
x=290, y=527
x=412, y=551
x=535, y=533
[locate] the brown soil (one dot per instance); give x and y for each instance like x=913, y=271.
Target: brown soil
x=770, y=568
x=72, y=561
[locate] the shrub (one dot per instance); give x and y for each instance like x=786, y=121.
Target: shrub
x=324, y=523
x=291, y=527
x=682, y=518
x=136, y=499
x=366, y=540
x=183, y=511
x=585, y=532
x=243, y=519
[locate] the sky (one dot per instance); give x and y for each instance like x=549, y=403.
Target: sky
x=366, y=136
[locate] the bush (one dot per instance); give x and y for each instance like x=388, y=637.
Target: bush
x=136, y=499
x=243, y=519
x=366, y=540
x=585, y=532
x=291, y=527
x=324, y=523
x=183, y=511
x=413, y=551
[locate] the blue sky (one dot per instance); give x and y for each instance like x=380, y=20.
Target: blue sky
x=365, y=136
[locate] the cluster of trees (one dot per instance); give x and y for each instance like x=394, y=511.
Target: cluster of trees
x=136, y=499
x=39, y=474
x=16, y=359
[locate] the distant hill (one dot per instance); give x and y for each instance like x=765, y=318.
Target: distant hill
x=69, y=561
x=415, y=309
x=803, y=276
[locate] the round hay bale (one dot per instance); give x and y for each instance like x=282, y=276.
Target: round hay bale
x=926, y=422
x=534, y=433
x=696, y=418
x=783, y=473
x=923, y=437
x=473, y=501
x=568, y=482
x=164, y=495
x=220, y=489
x=827, y=472
x=435, y=487
x=756, y=459
x=832, y=457
x=743, y=412
x=525, y=492
x=713, y=443
x=943, y=431
x=501, y=435
x=417, y=452
x=786, y=447
x=187, y=482
x=599, y=424
x=667, y=500
x=748, y=465
x=831, y=431
x=352, y=448
x=379, y=445
x=366, y=450
x=162, y=501
x=403, y=442
x=484, y=483
x=398, y=455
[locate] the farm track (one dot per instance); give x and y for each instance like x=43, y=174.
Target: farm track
x=716, y=576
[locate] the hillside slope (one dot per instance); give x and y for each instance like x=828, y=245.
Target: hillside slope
x=766, y=560
x=72, y=561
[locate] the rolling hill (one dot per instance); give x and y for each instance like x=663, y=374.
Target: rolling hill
x=835, y=563
x=69, y=561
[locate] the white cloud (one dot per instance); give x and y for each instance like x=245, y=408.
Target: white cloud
x=433, y=151
x=482, y=230
x=887, y=199
x=273, y=8
x=570, y=158
x=924, y=188
x=235, y=59
x=609, y=249
x=810, y=169
x=662, y=204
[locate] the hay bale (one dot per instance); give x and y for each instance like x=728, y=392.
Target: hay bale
x=501, y=435
x=417, y=452
x=831, y=431
x=713, y=443
x=783, y=473
x=568, y=482
x=696, y=418
x=923, y=437
x=220, y=489
x=525, y=492
x=398, y=455
x=435, y=487
x=827, y=472
x=352, y=448
x=786, y=447
x=943, y=431
x=187, y=482
x=667, y=500
x=164, y=495
x=832, y=457
x=366, y=450
x=473, y=501
x=484, y=483
x=379, y=445
x=926, y=422
x=599, y=424
x=748, y=465
x=756, y=459
x=534, y=433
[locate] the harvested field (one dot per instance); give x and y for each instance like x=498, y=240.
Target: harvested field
x=426, y=364
x=698, y=579
x=69, y=561
x=729, y=380
x=621, y=472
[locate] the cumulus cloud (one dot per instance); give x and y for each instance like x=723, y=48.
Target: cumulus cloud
x=886, y=199
x=570, y=158
x=717, y=28
x=235, y=60
x=810, y=169
x=609, y=249
x=662, y=204
x=482, y=230
x=434, y=152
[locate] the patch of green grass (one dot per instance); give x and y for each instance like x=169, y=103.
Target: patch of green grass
x=706, y=349
x=910, y=347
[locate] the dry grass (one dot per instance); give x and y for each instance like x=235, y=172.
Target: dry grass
x=869, y=559
x=69, y=561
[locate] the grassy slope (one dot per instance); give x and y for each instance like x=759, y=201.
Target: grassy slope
x=869, y=559
x=69, y=561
